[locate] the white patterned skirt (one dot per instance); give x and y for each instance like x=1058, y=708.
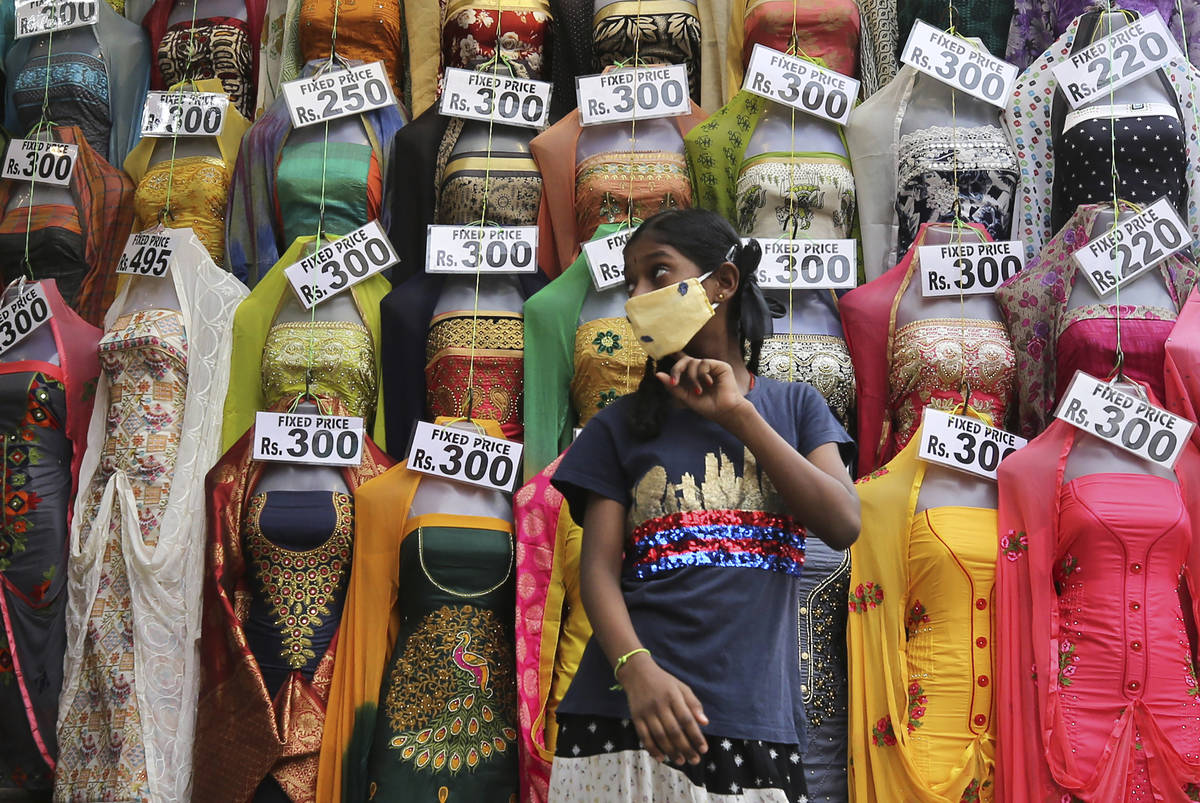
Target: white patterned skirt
x=600, y=760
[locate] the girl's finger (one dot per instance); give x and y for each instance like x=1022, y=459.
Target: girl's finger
x=647, y=740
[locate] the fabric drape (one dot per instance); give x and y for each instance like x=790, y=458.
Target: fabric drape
x=165, y=580
x=155, y=23
x=1182, y=369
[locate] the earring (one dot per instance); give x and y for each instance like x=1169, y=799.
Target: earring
x=720, y=296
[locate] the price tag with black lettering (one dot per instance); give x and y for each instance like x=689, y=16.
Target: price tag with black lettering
x=481, y=249
x=465, y=456
x=27, y=312
x=807, y=265
x=341, y=264
x=338, y=93
x=968, y=268
x=320, y=440
x=500, y=98
x=642, y=93
x=1125, y=55
x=184, y=114
x=800, y=84
x=45, y=162
x=1125, y=420
x=606, y=258
x=36, y=17
x=1135, y=245
x=959, y=63
x=148, y=253
x=965, y=443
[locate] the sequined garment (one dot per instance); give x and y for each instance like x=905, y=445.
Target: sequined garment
x=608, y=184
x=805, y=196
x=78, y=95
x=198, y=187
x=822, y=361
x=729, y=520
x=826, y=29
x=609, y=364
x=930, y=361
x=298, y=546
x=216, y=47
x=36, y=474
x=512, y=180
x=471, y=30
x=932, y=158
x=367, y=30
x=657, y=31
x=144, y=356
x=447, y=705
x=340, y=354
x=487, y=381
x=822, y=619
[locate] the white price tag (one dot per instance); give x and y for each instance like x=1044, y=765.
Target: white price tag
x=184, y=114
x=34, y=160
x=1136, y=244
x=465, y=456
x=482, y=249
x=35, y=17
x=968, y=268
x=1140, y=47
x=800, y=84
x=642, y=93
x=502, y=98
x=965, y=443
x=959, y=63
x=148, y=253
x=341, y=264
x=807, y=265
x=322, y=440
x=1124, y=420
x=606, y=258
x=27, y=312
x=338, y=93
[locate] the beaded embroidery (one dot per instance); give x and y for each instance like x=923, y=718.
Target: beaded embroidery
x=299, y=585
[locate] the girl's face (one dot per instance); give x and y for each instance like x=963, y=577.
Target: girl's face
x=651, y=265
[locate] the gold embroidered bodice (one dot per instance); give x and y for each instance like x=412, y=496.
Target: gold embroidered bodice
x=607, y=184
x=342, y=355
x=199, y=192
x=609, y=363
x=822, y=361
x=932, y=358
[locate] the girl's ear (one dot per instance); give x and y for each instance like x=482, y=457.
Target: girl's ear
x=727, y=277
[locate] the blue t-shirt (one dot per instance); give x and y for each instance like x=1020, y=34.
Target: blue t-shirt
x=713, y=596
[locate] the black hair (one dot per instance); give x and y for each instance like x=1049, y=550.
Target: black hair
x=708, y=240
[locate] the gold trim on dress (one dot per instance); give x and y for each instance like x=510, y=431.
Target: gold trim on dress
x=644, y=8
x=496, y=164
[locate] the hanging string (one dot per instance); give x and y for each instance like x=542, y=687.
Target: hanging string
x=42, y=125
x=190, y=76
x=631, y=218
x=497, y=59
x=1183, y=31
x=1119, y=357
x=310, y=357
x=794, y=49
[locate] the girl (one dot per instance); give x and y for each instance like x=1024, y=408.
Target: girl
x=695, y=494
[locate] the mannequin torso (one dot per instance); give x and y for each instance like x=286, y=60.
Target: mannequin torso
x=438, y=495
x=187, y=10
x=38, y=344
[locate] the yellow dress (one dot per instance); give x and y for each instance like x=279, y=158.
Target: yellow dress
x=196, y=186
x=920, y=646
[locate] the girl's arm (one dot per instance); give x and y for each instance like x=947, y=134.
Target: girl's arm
x=664, y=710
x=815, y=487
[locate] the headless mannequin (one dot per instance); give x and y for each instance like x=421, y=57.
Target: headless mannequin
x=38, y=344
x=438, y=495
x=658, y=134
x=783, y=130
x=72, y=40
x=151, y=292
x=499, y=293
x=187, y=10
x=931, y=102
x=289, y=476
x=343, y=129
x=1090, y=455
x=24, y=194
x=945, y=486
x=1150, y=88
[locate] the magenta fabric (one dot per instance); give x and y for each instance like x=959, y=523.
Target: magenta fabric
x=1091, y=345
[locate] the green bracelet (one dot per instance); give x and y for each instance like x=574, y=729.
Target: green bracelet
x=624, y=659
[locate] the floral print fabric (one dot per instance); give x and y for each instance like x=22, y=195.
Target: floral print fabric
x=657, y=31
x=477, y=31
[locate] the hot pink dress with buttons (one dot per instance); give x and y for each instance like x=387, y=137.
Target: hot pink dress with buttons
x=1098, y=693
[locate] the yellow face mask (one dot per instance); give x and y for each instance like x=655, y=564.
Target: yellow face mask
x=666, y=320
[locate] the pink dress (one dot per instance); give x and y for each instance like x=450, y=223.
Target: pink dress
x=1127, y=691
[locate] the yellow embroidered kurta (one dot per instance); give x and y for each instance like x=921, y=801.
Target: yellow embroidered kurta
x=920, y=644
